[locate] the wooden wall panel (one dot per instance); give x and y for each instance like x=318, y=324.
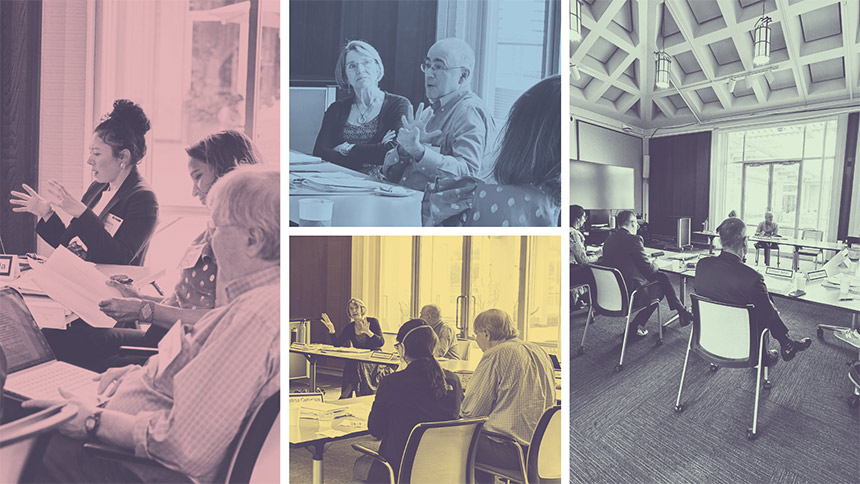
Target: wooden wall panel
x=679, y=183
x=20, y=48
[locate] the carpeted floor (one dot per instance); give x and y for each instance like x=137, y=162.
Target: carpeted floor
x=624, y=428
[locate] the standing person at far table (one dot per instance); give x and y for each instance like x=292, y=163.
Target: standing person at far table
x=767, y=228
x=362, y=332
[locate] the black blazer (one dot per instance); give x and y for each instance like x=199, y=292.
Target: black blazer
x=347, y=335
x=134, y=203
x=626, y=252
x=331, y=132
x=727, y=279
x=404, y=399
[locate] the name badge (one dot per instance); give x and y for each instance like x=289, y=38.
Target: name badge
x=112, y=223
x=169, y=347
x=192, y=255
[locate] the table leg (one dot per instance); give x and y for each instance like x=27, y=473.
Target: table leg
x=710, y=245
x=683, y=290
x=314, y=377
x=795, y=264
x=317, y=472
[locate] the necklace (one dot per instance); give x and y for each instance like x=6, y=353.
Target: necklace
x=362, y=118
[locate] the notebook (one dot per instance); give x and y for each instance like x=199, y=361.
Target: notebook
x=34, y=372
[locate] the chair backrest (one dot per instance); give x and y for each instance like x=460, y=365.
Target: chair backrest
x=20, y=439
x=543, y=463
x=611, y=297
x=723, y=333
x=811, y=234
x=441, y=452
x=252, y=438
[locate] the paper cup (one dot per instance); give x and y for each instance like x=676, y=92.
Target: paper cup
x=315, y=212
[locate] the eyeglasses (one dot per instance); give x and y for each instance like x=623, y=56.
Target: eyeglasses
x=435, y=67
x=366, y=63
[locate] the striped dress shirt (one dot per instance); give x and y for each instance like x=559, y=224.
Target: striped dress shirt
x=189, y=410
x=512, y=385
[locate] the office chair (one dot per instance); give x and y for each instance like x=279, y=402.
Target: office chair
x=25, y=439
x=725, y=336
x=542, y=464
x=254, y=451
x=854, y=376
x=816, y=235
x=611, y=298
x=436, y=452
x=757, y=248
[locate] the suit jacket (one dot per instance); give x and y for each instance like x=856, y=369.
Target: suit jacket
x=725, y=278
x=626, y=252
x=404, y=399
x=134, y=203
x=334, y=120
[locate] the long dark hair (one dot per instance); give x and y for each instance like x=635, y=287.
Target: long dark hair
x=224, y=151
x=419, y=340
x=125, y=129
x=530, y=150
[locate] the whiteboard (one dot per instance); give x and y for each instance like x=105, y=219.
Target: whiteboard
x=598, y=186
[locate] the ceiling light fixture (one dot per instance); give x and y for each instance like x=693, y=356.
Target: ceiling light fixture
x=732, y=83
x=761, y=43
x=663, y=60
x=574, y=72
x=575, y=20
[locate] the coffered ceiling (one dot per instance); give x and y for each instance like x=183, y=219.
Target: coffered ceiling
x=814, y=60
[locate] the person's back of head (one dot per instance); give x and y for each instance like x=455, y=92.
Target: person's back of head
x=732, y=233
x=623, y=218
x=224, y=151
x=530, y=147
x=124, y=128
x=417, y=340
x=497, y=323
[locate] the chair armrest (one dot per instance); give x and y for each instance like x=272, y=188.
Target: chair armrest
x=143, y=351
x=510, y=442
x=378, y=458
x=640, y=288
x=105, y=452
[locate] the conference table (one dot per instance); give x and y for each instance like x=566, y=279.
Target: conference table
x=711, y=235
x=314, y=435
x=798, y=244
x=359, y=200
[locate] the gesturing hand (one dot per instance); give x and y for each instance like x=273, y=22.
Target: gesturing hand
x=64, y=200
x=30, y=202
x=327, y=322
x=123, y=310
x=127, y=290
x=414, y=131
x=389, y=137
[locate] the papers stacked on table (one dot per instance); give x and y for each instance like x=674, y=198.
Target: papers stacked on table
x=339, y=182
x=347, y=350
x=322, y=410
x=297, y=158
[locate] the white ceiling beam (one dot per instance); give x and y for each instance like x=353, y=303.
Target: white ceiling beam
x=850, y=14
x=730, y=10
x=666, y=106
x=792, y=32
x=597, y=29
x=648, y=17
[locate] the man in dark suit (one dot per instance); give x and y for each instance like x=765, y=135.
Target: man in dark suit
x=625, y=251
x=725, y=278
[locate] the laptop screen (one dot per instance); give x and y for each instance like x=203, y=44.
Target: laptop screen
x=20, y=337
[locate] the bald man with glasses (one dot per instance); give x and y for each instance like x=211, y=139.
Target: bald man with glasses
x=454, y=136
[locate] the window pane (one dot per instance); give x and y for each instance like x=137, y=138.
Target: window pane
x=830, y=140
x=395, y=282
x=810, y=194
x=440, y=274
x=784, y=200
x=734, y=175
x=755, y=193
x=735, y=146
x=780, y=143
x=267, y=128
x=494, y=273
x=544, y=290
x=814, y=140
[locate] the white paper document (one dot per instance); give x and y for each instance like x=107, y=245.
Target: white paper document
x=77, y=285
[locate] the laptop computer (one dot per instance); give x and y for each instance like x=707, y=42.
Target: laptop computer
x=34, y=372
x=556, y=365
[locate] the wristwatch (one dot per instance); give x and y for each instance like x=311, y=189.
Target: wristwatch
x=146, y=312
x=91, y=424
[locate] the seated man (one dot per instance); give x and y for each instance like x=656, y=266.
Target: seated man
x=184, y=407
x=513, y=385
x=455, y=135
x=725, y=278
x=767, y=228
x=447, y=345
x=625, y=251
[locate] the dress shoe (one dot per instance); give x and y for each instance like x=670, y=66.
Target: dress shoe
x=640, y=331
x=685, y=317
x=793, y=347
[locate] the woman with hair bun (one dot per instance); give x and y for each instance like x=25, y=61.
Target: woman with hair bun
x=421, y=392
x=114, y=220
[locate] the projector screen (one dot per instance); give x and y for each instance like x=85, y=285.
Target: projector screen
x=598, y=186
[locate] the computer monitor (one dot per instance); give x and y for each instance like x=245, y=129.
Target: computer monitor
x=598, y=218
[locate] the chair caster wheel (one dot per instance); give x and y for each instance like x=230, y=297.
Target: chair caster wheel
x=679, y=408
x=714, y=368
x=853, y=401
x=580, y=350
x=618, y=368
x=820, y=333
x=766, y=384
x=751, y=435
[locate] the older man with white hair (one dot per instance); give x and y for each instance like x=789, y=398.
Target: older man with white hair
x=447, y=344
x=455, y=135
x=513, y=385
x=184, y=407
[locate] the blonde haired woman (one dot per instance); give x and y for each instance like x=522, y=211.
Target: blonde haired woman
x=361, y=332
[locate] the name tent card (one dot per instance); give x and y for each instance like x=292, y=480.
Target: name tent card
x=816, y=275
x=777, y=272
